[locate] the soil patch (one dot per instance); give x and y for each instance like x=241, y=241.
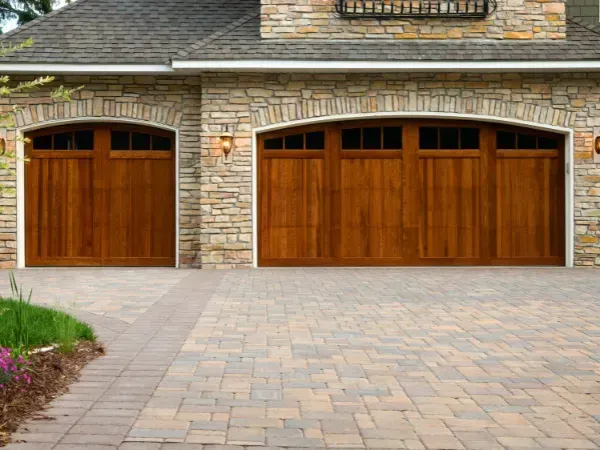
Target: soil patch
x=52, y=373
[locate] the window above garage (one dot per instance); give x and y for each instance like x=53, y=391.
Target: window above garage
x=393, y=9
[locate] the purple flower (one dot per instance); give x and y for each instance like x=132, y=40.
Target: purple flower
x=13, y=369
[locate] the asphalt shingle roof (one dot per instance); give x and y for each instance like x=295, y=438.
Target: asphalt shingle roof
x=123, y=31
x=157, y=31
x=243, y=42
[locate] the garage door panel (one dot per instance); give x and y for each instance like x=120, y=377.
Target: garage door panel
x=371, y=208
x=117, y=230
x=61, y=191
x=529, y=208
x=140, y=209
x=450, y=216
x=291, y=212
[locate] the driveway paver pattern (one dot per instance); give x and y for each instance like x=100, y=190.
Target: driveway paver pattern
x=118, y=293
x=348, y=358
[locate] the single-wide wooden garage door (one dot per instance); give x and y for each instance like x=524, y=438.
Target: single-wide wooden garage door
x=100, y=195
x=409, y=192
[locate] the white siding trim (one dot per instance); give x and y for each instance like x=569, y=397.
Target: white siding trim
x=52, y=123
x=569, y=161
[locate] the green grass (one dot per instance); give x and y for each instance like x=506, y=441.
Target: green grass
x=45, y=326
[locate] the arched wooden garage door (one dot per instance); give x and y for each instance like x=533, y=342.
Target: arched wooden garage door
x=100, y=195
x=409, y=192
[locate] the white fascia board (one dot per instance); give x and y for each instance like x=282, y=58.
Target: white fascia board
x=124, y=69
x=261, y=65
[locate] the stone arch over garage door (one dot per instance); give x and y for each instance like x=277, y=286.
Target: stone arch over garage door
x=411, y=102
x=29, y=116
x=415, y=104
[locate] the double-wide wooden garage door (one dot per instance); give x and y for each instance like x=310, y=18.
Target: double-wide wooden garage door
x=408, y=192
x=100, y=195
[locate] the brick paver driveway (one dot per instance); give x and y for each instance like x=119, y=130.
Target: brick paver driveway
x=343, y=358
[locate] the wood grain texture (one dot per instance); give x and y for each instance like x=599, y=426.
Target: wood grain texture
x=140, y=209
x=410, y=206
x=529, y=213
x=61, y=210
x=450, y=208
x=86, y=208
x=291, y=212
x=371, y=210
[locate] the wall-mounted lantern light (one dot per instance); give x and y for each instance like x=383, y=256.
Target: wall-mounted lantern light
x=597, y=145
x=2, y=146
x=226, y=142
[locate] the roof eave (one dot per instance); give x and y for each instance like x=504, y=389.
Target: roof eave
x=85, y=69
x=271, y=65
x=314, y=66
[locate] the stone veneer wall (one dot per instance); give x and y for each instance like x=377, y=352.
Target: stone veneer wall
x=316, y=19
x=173, y=101
x=216, y=193
x=245, y=101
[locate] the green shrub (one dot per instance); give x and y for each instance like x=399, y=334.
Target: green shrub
x=43, y=326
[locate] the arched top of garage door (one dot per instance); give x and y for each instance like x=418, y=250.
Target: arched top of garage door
x=409, y=104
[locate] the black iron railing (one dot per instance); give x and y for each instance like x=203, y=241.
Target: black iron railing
x=415, y=8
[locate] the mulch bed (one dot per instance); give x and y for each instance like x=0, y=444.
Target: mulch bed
x=51, y=375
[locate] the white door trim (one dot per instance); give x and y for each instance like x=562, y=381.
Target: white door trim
x=569, y=160
x=20, y=172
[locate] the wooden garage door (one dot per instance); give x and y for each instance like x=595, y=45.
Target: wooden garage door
x=408, y=192
x=100, y=195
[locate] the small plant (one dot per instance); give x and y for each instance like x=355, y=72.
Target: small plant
x=20, y=342
x=66, y=332
x=24, y=326
x=13, y=368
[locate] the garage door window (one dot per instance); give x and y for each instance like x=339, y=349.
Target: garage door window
x=72, y=140
x=448, y=138
x=314, y=140
x=372, y=138
x=139, y=141
x=509, y=140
